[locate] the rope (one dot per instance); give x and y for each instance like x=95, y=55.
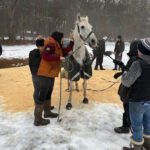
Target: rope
x=104, y=88
x=110, y=81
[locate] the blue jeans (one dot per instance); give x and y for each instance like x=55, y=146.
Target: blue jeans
x=140, y=118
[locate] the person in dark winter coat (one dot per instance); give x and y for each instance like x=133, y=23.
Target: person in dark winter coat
x=137, y=78
x=48, y=69
x=119, y=48
x=100, y=53
x=0, y=50
x=34, y=63
x=124, y=92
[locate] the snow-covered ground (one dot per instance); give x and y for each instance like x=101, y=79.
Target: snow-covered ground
x=82, y=128
x=108, y=64
x=23, y=52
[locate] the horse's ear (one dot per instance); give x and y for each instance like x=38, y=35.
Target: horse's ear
x=87, y=18
x=78, y=17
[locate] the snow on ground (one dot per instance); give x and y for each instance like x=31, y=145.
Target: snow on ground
x=17, y=51
x=108, y=64
x=81, y=129
x=23, y=52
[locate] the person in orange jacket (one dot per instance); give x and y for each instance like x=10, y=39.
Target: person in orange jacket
x=49, y=68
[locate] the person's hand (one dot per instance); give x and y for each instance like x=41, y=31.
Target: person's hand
x=120, y=54
x=125, y=72
x=117, y=75
x=70, y=53
x=62, y=40
x=62, y=59
x=71, y=37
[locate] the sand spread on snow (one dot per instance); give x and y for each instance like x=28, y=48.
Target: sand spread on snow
x=16, y=89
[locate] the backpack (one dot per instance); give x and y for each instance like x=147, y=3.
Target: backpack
x=123, y=91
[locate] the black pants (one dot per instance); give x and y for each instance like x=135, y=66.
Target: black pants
x=43, y=87
x=126, y=116
x=118, y=58
x=99, y=61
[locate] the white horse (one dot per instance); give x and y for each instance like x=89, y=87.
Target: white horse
x=83, y=34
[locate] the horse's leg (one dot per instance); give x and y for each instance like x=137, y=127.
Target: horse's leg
x=68, y=87
x=69, y=105
x=77, y=87
x=85, y=100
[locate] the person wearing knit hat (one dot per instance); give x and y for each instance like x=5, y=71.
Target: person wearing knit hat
x=138, y=80
x=123, y=91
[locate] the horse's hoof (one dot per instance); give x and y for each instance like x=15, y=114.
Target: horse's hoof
x=85, y=101
x=69, y=106
x=67, y=90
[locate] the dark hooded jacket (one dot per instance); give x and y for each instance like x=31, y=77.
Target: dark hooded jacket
x=137, y=79
x=119, y=47
x=133, y=55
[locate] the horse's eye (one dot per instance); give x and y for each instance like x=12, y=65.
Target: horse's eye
x=82, y=27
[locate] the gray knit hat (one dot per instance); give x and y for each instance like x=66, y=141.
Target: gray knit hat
x=144, y=46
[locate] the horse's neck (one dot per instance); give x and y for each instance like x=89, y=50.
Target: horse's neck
x=79, y=54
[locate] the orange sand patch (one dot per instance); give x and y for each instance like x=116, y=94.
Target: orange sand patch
x=16, y=89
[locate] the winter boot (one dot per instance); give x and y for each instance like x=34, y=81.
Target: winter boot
x=101, y=68
x=39, y=121
x=50, y=106
x=146, y=144
x=122, y=129
x=135, y=147
x=115, y=67
x=125, y=128
x=47, y=111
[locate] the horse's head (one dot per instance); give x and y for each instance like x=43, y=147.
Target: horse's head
x=85, y=31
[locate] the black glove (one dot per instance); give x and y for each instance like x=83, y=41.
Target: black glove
x=118, y=74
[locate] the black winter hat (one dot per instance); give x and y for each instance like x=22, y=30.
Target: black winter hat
x=57, y=36
x=39, y=42
x=119, y=37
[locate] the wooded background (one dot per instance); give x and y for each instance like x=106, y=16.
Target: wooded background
x=29, y=18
